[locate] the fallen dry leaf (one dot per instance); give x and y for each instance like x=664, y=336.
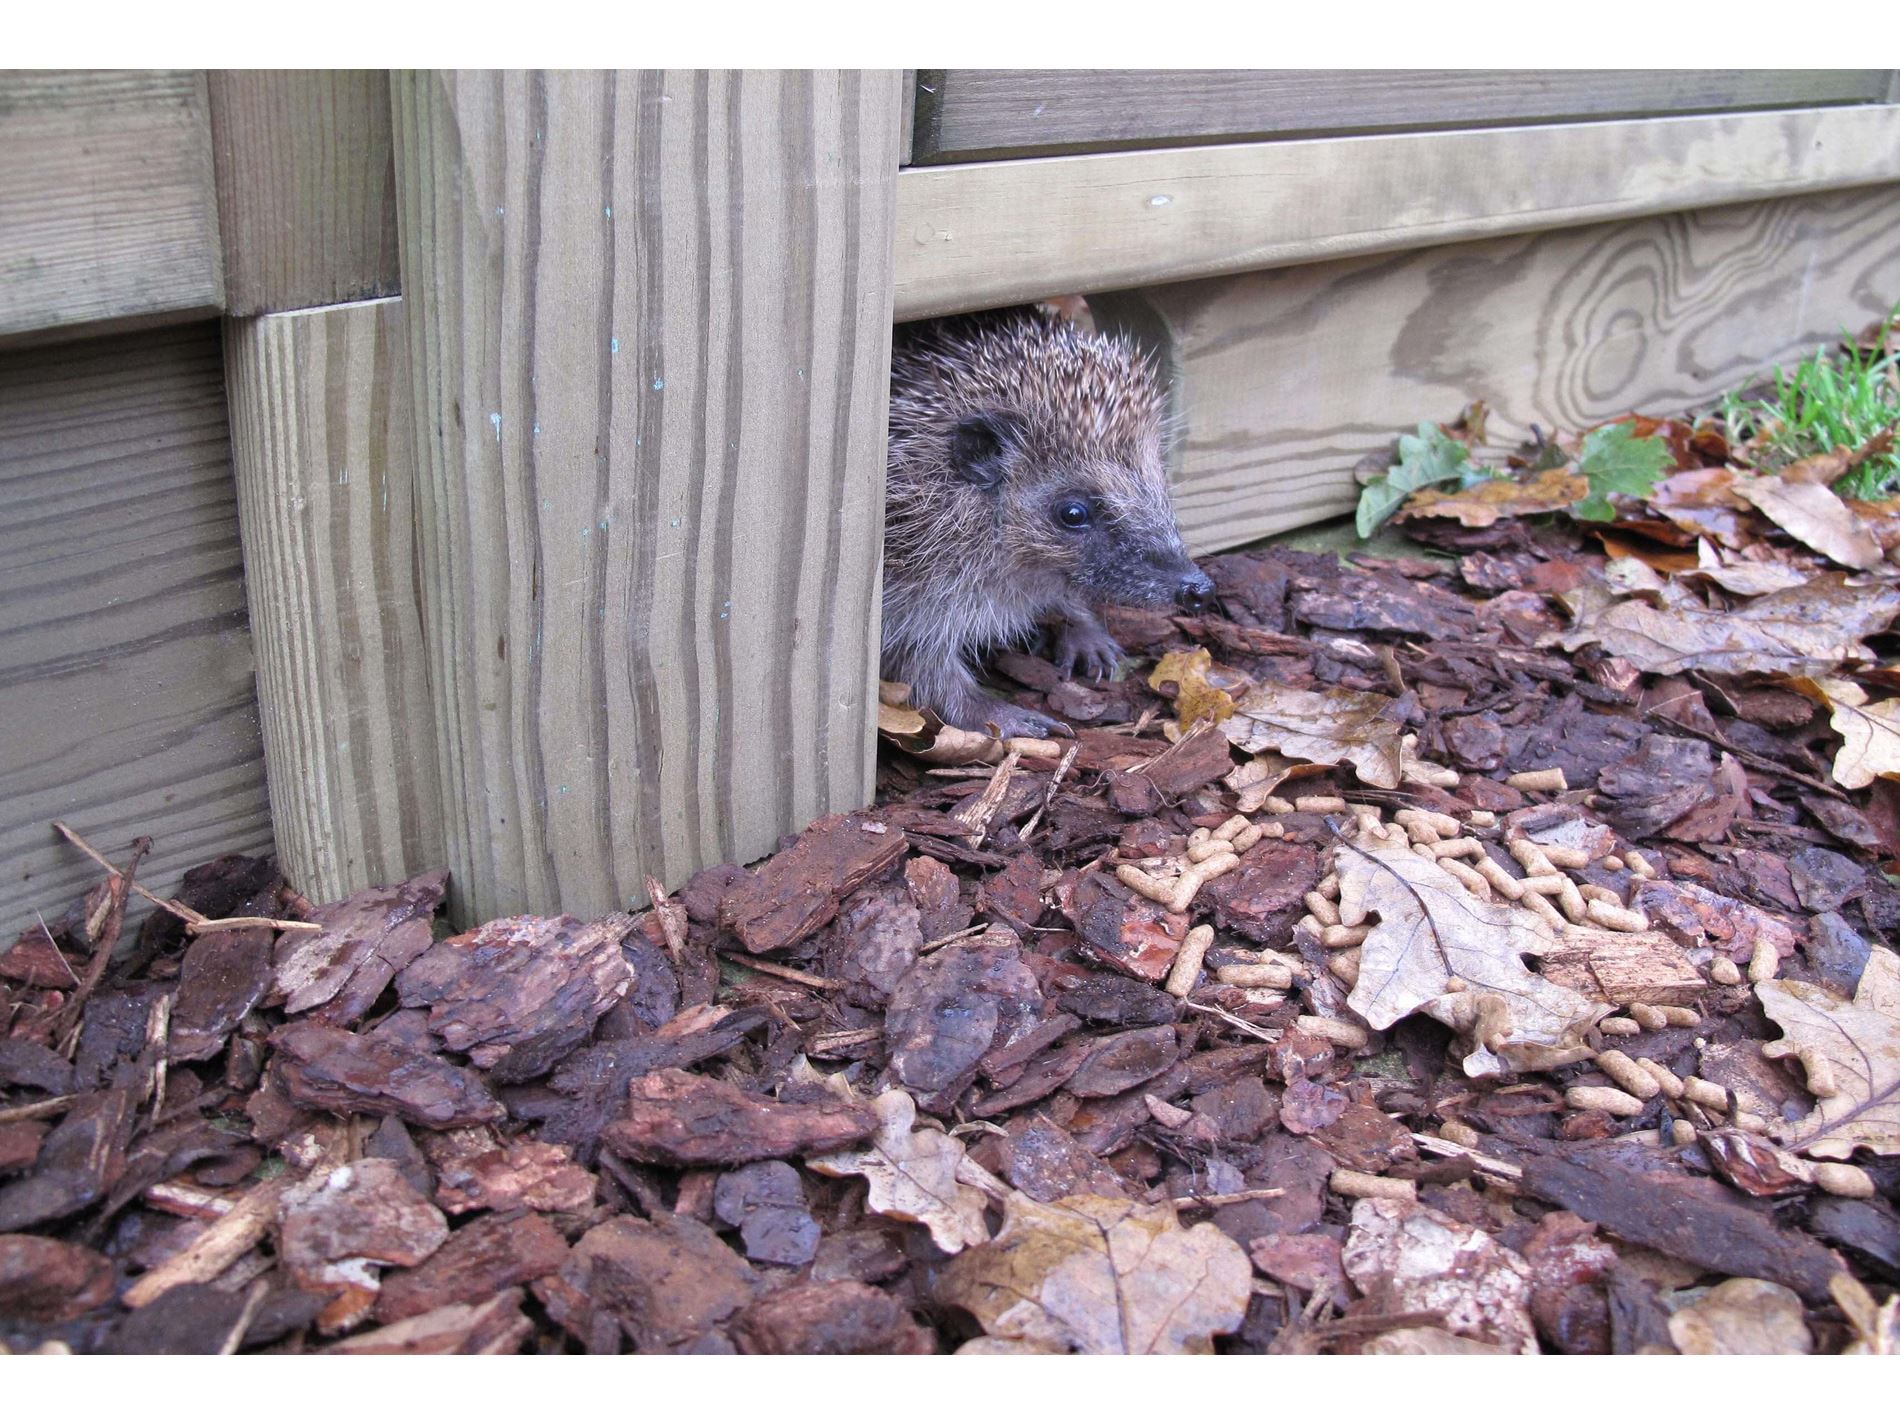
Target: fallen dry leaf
x=1102, y=1276
x=1411, y=1258
x=1870, y=732
x=1816, y=516
x=1431, y=931
x=917, y=1175
x=898, y=721
x=1811, y=629
x=1824, y=469
x=1858, y=1042
x=1327, y=725
x=1876, y=1328
x=1196, y=697
x=1742, y=1317
x=1489, y=501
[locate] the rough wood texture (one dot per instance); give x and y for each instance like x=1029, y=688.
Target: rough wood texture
x=321, y=441
x=306, y=187
x=649, y=323
x=982, y=234
x=108, y=211
x=965, y=114
x=1285, y=380
x=126, y=702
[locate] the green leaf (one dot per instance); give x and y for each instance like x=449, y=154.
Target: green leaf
x=1429, y=458
x=1614, y=459
x=1594, y=507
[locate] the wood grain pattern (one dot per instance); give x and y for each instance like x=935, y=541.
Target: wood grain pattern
x=649, y=324
x=965, y=114
x=1284, y=380
x=321, y=441
x=984, y=234
x=108, y=212
x=306, y=187
x=126, y=698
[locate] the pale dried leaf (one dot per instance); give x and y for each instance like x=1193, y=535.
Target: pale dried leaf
x=1811, y=629
x=1816, y=516
x=1104, y=1276
x=915, y=1175
x=1860, y=1042
x=1489, y=501
x=1323, y=725
x=899, y=721
x=1199, y=691
x=1432, y=930
x=1870, y=732
x=1742, y=1317
x=1412, y=1258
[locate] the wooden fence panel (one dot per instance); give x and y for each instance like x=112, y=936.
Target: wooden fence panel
x=965, y=114
x=1285, y=380
x=306, y=187
x=321, y=438
x=108, y=211
x=649, y=324
x=126, y=698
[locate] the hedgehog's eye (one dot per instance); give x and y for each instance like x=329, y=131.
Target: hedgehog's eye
x=1074, y=514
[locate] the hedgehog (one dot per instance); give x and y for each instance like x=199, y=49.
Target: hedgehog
x=1026, y=487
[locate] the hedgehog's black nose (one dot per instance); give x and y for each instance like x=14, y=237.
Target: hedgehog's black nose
x=1192, y=592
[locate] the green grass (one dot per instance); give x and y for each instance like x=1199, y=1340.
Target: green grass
x=1844, y=397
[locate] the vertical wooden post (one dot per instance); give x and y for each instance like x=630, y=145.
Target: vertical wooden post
x=320, y=436
x=649, y=322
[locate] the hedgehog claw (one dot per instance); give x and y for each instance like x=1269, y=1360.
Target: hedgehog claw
x=1088, y=652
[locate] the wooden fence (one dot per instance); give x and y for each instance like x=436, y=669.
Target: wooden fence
x=496, y=459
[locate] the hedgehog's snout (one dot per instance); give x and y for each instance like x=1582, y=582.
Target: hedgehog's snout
x=1193, y=592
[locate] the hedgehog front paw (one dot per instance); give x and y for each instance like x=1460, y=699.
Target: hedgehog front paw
x=1086, y=651
x=1003, y=719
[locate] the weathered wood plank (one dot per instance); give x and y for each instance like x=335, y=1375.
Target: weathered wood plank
x=306, y=187
x=108, y=212
x=968, y=114
x=321, y=441
x=649, y=325
x=1285, y=380
x=984, y=234
x=126, y=702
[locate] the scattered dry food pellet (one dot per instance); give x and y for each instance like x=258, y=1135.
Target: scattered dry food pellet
x=1349, y=1183
x=1610, y=1100
x=1455, y=985
x=1628, y=1074
x=1705, y=1093
x=1324, y=911
x=1187, y=887
x=1681, y=1132
x=1612, y=863
x=1463, y=1134
x=1639, y=865
x=1231, y=827
x=1619, y=1026
x=1750, y=1122
x=1592, y=892
x=1764, y=962
x=1820, y=1073
x=1565, y=858
x=1502, y=881
x=1437, y=823
x=1310, y=924
x=1458, y=846
x=1679, y=1014
x=1210, y=848
x=1647, y=1015
x=1544, y=908
x=1646, y=1136
x=1217, y=865
x=1422, y=835
x=1467, y=877
x=1614, y=917
x=1575, y=908
x=1318, y=804
x=1724, y=971
x=1344, y=967
x=1545, y=779
x=1843, y=1180
x=1187, y=961
x=1337, y=1031
x=1329, y=887
x=1244, y=839
x=1370, y=818
x=1344, y=937
x=1481, y=818
x=1255, y=977
x=1531, y=857
x=1142, y=883
x=1551, y=884
x=1667, y=1080
x=1197, y=836
x=1280, y=806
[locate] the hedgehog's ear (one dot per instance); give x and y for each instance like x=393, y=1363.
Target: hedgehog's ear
x=982, y=447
